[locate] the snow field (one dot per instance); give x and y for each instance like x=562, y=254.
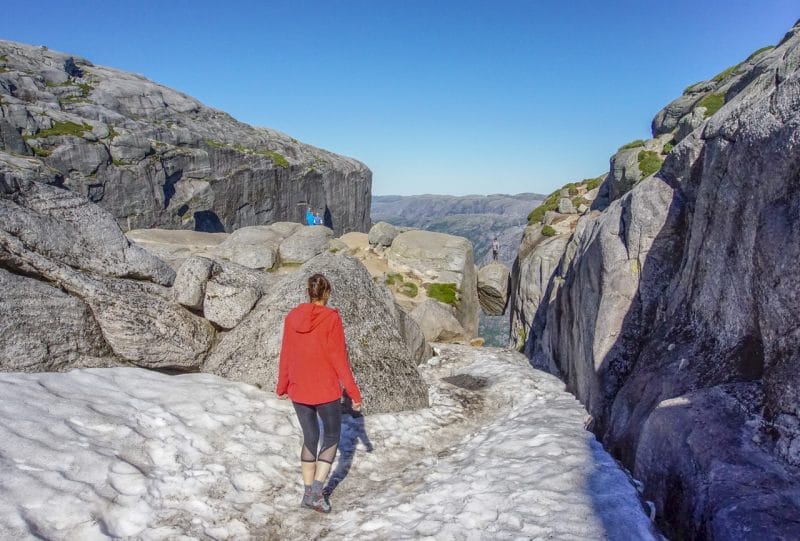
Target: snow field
x=129, y=453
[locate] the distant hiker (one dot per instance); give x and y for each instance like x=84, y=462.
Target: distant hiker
x=313, y=367
x=317, y=219
x=495, y=249
x=309, y=217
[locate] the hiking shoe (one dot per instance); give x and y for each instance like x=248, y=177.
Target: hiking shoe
x=308, y=500
x=319, y=503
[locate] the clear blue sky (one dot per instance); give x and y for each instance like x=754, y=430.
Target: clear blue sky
x=450, y=97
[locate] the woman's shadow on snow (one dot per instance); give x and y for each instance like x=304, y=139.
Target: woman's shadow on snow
x=353, y=431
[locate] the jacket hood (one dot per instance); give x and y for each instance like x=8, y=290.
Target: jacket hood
x=307, y=317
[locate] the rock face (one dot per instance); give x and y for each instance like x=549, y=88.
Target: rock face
x=538, y=259
x=493, y=288
x=154, y=157
x=383, y=359
x=441, y=258
x=673, y=315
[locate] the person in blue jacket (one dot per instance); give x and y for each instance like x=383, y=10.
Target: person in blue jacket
x=309, y=217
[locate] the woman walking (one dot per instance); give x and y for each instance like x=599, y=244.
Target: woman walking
x=313, y=368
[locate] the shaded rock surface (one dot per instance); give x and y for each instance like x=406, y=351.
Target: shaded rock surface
x=539, y=257
x=493, y=288
x=437, y=322
x=383, y=359
x=42, y=328
x=92, y=261
x=154, y=157
x=673, y=315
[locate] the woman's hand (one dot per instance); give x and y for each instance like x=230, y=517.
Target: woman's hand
x=357, y=406
x=283, y=396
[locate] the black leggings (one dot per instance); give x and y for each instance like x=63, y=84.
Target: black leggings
x=331, y=415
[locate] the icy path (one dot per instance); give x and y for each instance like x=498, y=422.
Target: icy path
x=126, y=453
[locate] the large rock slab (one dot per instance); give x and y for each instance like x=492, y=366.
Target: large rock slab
x=87, y=239
x=383, y=359
x=493, y=286
x=440, y=258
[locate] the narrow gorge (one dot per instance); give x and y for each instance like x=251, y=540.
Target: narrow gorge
x=671, y=308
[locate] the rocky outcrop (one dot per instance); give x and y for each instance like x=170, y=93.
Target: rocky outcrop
x=154, y=157
x=441, y=259
x=87, y=296
x=628, y=165
x=383, y=357
x=673, y=315
x=493, y=288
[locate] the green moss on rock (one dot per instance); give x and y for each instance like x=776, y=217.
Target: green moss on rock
x=649, y=162
x=62, y=128
x=446, y=293
x=759, y=51
x=548, y=231
x=633, y=144
x=712, y=103
x=409, y=289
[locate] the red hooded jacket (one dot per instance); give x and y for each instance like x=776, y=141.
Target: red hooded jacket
x=314, y=357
